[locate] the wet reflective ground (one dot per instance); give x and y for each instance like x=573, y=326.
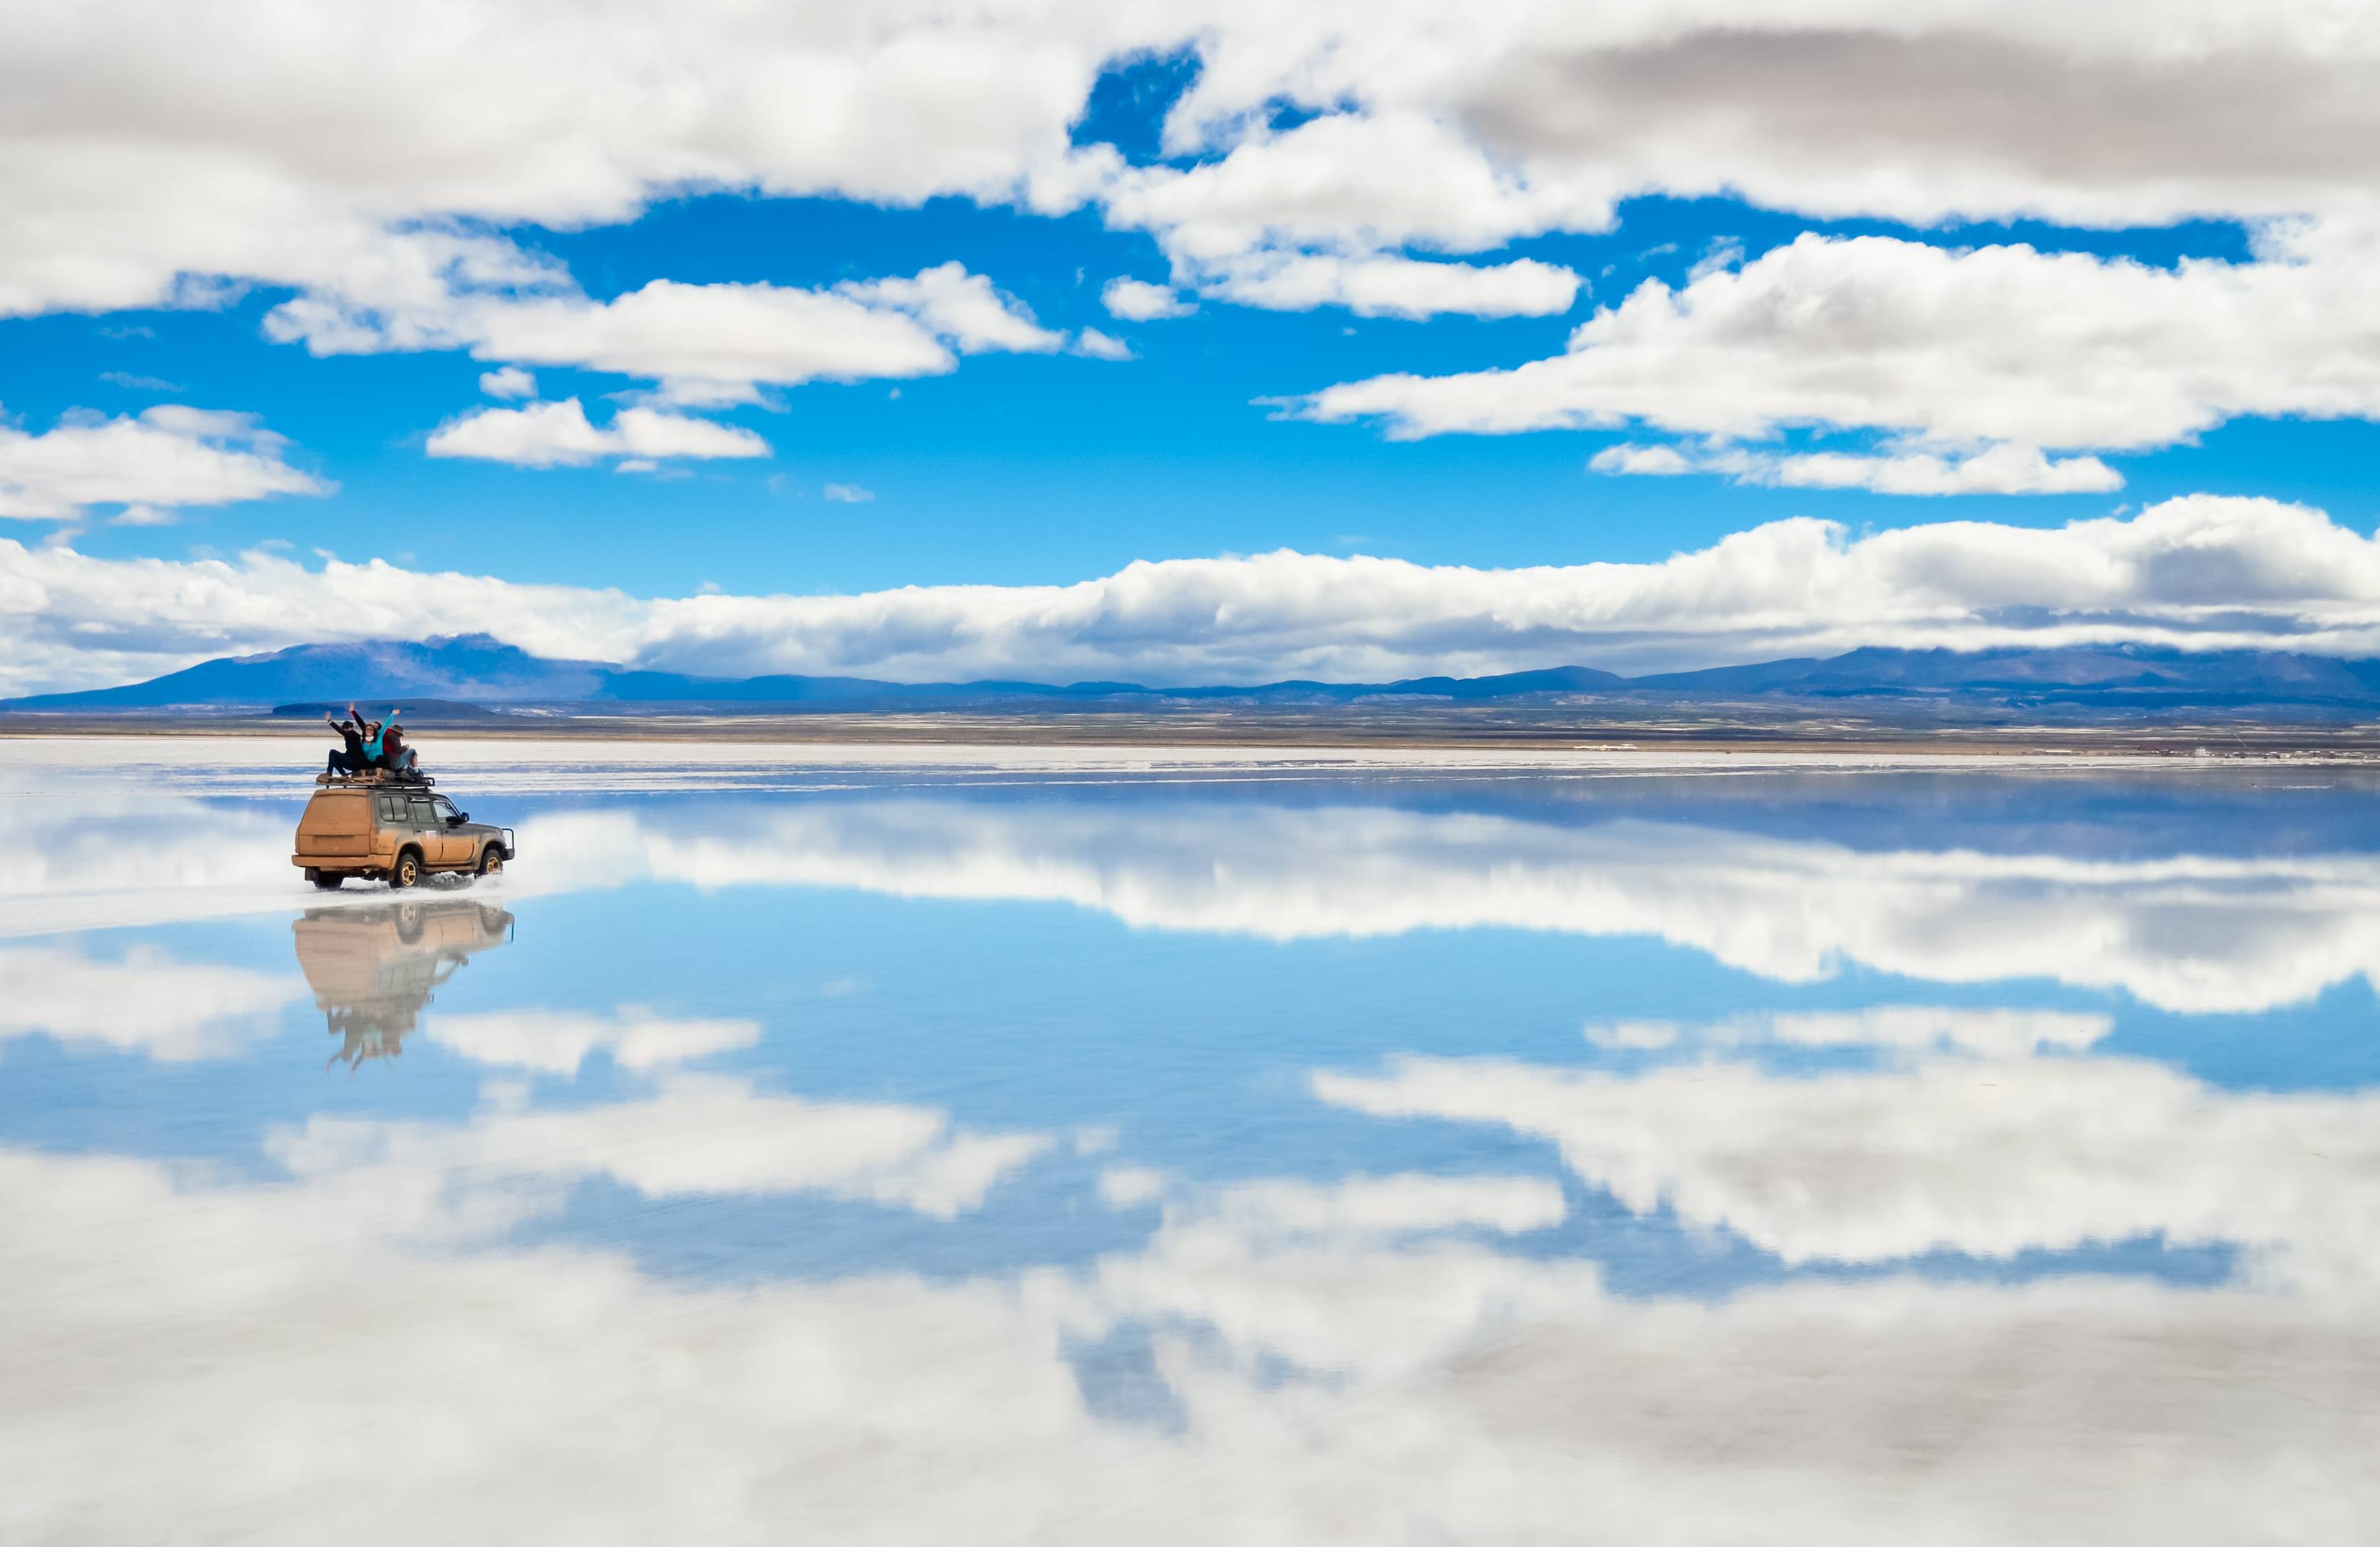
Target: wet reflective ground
x=803, y=1146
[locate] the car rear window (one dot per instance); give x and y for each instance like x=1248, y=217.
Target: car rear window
x=391, y=807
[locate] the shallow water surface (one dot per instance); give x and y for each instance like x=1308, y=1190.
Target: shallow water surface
x=925, y=1147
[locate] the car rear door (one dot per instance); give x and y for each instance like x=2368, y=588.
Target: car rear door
x=423, y=819
x=395, y=825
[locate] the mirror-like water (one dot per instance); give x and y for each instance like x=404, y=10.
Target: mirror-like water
x=852, y=1148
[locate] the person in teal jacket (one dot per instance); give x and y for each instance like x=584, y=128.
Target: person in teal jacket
x=385, y=744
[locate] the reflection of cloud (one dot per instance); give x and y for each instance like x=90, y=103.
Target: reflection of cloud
x=2192, y=933
x=1388, y=1205
x=555, y=1042
x=2006, y=1034
x=209, y=1339
x=695, y=1136
x=1986, y=1156
x=143, y=1002
x=2187, y=933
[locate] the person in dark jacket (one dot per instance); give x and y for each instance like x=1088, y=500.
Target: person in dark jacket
x=349, y=759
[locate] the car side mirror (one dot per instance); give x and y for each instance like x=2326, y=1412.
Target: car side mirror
x=458, y=819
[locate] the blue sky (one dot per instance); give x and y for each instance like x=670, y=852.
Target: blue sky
x=2109, y=335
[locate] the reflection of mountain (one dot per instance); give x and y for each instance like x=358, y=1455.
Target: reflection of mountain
x=373, y=968
x=2217, y=925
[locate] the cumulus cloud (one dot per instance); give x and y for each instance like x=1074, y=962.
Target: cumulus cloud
x=1100, y=345
x=2007, y=348
x=1136, y=300
x=509, y=381
x=163, y=460
x=2000, y=469
x=2198, y=572
x=705, y=343
x=1395, y=286
x=397, y=149
x=554, y=435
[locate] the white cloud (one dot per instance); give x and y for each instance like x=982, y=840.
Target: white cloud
x=1100, y=345
x=2002, y=347
x=849, y=494
x=706, y=343
x=509, y=381
x=558, y=435
x=1999, y=469
x=1647, y=461
x=1348, y=183
x=2198, y=572
x=557, y=1041
x=1136, y=300
x=1392, y=286
x=151, y=178
x=164, y=459
x=1432, y=137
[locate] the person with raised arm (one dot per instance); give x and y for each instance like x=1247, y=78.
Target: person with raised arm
x=349, y=759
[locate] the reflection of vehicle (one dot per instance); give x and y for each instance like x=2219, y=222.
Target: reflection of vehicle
x=397, y=832
x=373, y=969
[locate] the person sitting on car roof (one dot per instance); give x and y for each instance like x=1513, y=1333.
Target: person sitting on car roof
x=375, y=732
x=394, y=755
x=349, y=759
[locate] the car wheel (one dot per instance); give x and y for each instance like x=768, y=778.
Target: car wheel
x=325, y=881
x=491, y=861
x=407, y=872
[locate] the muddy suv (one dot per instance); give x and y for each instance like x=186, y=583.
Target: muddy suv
x=397, y=832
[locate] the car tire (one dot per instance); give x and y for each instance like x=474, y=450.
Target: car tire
x=406, y=871
x=325, y=881
x=491, y=861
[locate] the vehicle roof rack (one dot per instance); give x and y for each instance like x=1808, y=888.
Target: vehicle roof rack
x=376, y=779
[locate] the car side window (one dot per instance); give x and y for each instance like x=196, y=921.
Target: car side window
x=443, y=808
x=392, y=808
x=423, y=815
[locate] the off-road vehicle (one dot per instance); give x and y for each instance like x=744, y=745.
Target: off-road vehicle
x=393, y=830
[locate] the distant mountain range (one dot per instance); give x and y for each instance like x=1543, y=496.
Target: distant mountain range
x=473, y=674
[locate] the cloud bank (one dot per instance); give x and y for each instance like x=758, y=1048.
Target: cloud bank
x=2200, y=572
x=1416, y=143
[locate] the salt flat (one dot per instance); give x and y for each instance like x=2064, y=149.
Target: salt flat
x=1192, y=1144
